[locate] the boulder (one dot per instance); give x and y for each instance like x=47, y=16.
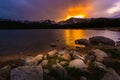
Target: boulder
x=35, y=60
x=63, y=63
x=52, y=53
x=82, y=42
x=77, y=56
x=118, y=43
x=66, y=56
x=4, y=72
x=60, y=72
x=60, y=52
x=27, y=73
x=100, y=65
x=111, y=75
x=44, y=63
x=101, y=40
x=83, y=78
x=77, y=63
x=53, y=45
x=100, y=55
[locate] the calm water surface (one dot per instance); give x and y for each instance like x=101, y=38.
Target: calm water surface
x=38, y=40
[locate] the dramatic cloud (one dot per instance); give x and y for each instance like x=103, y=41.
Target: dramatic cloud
x=57, y=9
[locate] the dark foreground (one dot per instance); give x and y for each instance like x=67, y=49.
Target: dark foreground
x=93, y=62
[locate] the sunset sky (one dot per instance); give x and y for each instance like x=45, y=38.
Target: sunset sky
x=57, y=9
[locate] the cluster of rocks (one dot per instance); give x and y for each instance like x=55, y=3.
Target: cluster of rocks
x=97, y=40
x=42, y=66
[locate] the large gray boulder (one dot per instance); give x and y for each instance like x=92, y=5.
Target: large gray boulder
x=61, y=73
x=4, y=72
x=101, y=40
x=82, y=42
x=78, y=64
x=111, y=75
x=27, y=73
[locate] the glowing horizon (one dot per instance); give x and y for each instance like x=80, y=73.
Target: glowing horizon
x=77, y=16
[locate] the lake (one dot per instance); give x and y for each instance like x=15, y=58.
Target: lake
x=39, y=40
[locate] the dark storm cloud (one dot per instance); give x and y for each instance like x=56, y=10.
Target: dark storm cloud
x=49, y=9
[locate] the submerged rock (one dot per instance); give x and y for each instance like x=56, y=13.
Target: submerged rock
x=101, y=40
x=4, y=72
x=82, y=42
x=77, y=63
x=111, y=75
x=53, y=45
x=27, y=73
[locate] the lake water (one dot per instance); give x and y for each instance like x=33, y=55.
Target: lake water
x=38, y=40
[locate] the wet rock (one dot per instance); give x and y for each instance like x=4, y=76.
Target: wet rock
x=111, y=75
x=60, y=72
x=100, y=55
x=82, y=42
x=35, y=60
x=83, y=78
x=53, y=45
x=52, y=53
x=66, y=57
x=4, y=72
x=77, y=63
x=101, y=40
x=44, y=63
x=27, y=73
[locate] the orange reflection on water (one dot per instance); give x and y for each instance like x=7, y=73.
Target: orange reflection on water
x=71, y=35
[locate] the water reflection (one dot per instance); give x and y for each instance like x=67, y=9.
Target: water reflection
x=71, y=35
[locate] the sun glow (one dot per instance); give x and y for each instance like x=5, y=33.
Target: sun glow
x=77, y=16
x=77, y=12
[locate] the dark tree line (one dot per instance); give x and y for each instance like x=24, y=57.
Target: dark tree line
x=48, y=24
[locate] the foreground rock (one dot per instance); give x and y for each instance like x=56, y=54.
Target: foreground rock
x=27, y=73
x=100, y=65
x=77, y=63
x=60, y=72
x=52, y=53
x=83, y=78
x=66, y=56
x=4, y=72
x=35, y=60
x=82, y=42
x=100, y=55
x=101, y=40
x=111, y=75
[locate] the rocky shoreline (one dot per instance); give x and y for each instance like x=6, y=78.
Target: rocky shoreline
x=99, y=63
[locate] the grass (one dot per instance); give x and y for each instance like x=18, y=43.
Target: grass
x=114, y=52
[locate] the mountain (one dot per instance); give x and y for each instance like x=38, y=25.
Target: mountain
x=73, y=21
x=116, y=16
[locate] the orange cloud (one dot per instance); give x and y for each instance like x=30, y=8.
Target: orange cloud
x=78, y=11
